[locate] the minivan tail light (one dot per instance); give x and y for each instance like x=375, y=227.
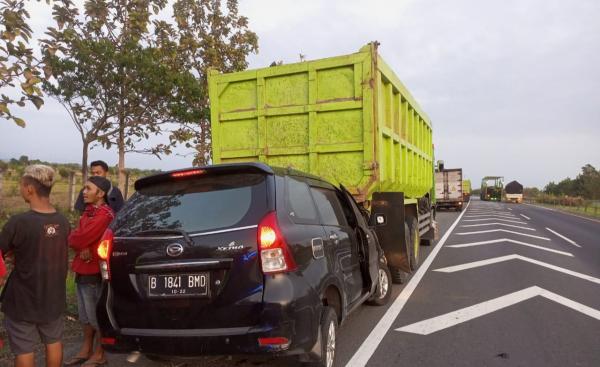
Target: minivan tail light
x=275, y=256
x=104, y=252
x=187, y=173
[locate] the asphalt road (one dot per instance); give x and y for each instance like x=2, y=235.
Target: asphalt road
x=500, y=288
x=504, y=290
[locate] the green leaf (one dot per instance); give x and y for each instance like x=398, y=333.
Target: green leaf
x=19, y=121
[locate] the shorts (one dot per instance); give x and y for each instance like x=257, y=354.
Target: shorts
x=88, y=295
x=23, y=336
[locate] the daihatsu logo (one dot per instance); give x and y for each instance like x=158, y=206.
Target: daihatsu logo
x=174, y=249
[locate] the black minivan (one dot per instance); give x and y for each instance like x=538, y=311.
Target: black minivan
x=237, y=259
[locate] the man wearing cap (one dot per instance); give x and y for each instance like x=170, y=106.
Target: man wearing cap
x=84, y=240
x=114, y=197
x=34, y=297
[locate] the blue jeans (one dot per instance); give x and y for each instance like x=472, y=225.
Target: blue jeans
x=87, y=299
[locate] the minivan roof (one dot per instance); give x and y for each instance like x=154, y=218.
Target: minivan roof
x=250, y=167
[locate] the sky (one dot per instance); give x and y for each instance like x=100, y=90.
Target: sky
x=511, y=87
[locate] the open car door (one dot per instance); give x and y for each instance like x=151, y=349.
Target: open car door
x=369, y=247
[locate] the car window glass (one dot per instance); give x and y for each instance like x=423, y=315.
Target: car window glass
x=328, y=206
x=195, y=205
x=300, y=205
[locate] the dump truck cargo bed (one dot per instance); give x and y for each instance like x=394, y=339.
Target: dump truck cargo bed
x=347, y=119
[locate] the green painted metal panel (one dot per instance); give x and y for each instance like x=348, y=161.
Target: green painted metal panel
x=466, y=186
x=348, y=119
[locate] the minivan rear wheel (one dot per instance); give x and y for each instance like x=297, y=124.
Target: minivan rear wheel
x=329, y=326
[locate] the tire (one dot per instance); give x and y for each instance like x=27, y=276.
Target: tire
x=384, y=281
x=429, y=242
x=329, y=326
x=399, y=276
x=414, y=242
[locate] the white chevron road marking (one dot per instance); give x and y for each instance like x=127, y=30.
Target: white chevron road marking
x=526, y=217
x=490, y=215
x=503, y=230
x=450, y=319
x=564, y=238
x=495, y=260
x=491, y=242
x=495, y=218
x=497, y=224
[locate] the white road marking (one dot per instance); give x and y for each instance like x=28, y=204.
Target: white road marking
x=490, y=242
x=504, y=230
x=495, y=218
x=450, y=319
x=564, y=238
x=526, y=217
x=470, y=217
x=495, y=260
x=497, y=224
x=509, y=209
x=490, y=215
x=370, y=344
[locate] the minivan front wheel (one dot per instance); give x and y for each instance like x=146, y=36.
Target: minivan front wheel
x=383, y=292
x=329, y=327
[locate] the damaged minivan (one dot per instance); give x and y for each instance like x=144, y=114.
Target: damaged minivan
x=237, y=259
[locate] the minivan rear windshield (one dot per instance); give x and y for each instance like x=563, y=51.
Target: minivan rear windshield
x=195, y=205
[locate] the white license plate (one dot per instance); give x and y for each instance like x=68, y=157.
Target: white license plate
x=178, y=285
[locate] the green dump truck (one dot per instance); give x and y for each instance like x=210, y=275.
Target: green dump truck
x=466, y=188
x=491, y=188
x=347, y=119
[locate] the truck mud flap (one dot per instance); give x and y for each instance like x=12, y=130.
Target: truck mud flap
x=387, y=217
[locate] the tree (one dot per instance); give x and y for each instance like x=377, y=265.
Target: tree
x=18, y=64
x=211, y=35
x=589, y=181
x=119, y=82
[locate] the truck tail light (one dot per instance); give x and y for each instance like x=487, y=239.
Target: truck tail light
x=274, y=253
x=104, y=252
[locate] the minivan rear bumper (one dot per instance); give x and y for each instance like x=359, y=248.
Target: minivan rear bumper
x=194, y=343
x=288, y=312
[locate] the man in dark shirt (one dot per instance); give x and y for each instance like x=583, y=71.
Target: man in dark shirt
x=34, y=297
x=114, y=197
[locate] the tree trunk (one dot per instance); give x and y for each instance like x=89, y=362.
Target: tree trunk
x=71, y=192
x=121, y=146
x=84, y=161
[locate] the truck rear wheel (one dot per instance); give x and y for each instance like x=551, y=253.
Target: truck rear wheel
x=415, y=243
x=399, y=276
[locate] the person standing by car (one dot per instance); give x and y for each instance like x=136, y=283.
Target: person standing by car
x=84, y=240
x=34, y=297
x=114, y=197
